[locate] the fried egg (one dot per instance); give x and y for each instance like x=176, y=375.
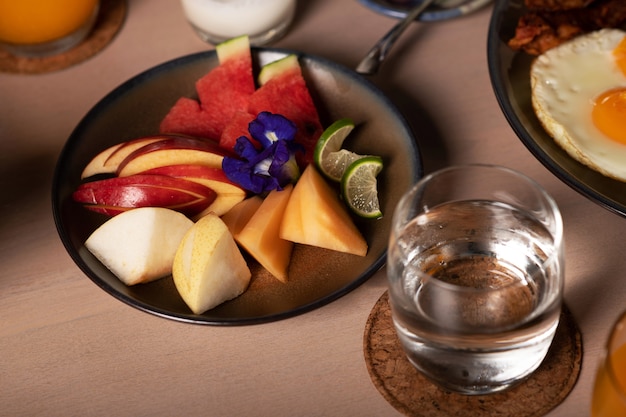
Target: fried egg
x=579, y=96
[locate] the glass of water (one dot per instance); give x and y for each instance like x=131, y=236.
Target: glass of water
x=475, y=270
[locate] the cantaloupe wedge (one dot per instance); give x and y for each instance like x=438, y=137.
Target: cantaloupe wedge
x=315, y=216
x=208, y=267
x=260, y=235
x=237, y=217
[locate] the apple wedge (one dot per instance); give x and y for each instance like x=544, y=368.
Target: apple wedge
x=128, y=147
x=315, y=216
x=97, y=164
x=107, y=161
x=260, y=236
x=208, y=267
x=139, y=245
x=172, y=150
x=113, y=196
x=228, y=193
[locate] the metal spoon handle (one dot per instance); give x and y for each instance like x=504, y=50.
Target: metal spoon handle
x=369, y=65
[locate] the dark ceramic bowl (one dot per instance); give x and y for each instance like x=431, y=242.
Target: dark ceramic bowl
x=510, y=77
x=317, y=276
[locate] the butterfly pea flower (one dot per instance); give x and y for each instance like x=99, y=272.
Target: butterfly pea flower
x=271, y=167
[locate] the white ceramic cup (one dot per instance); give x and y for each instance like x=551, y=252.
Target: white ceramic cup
x=264, y=21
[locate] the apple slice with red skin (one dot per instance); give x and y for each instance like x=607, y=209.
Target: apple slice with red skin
x=115, y=195
x=173, y=150
x=128, y=147
x=96, y=165
x=228, y=193
x=107, y=161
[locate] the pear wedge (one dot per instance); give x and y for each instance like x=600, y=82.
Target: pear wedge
x=139, y=245
x=209, y=268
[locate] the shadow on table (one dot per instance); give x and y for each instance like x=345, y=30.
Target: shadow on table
x=429, y=138
x=25, y=182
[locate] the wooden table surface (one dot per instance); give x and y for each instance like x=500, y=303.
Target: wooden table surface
x=69, y=349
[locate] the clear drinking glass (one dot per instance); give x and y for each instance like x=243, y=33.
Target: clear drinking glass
x=264, y=21
x=36, y=28
x=609, y=392
x=475, y=270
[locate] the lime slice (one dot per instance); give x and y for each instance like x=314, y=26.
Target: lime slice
x=359, y=187
x=331, y=160
x=336, y=163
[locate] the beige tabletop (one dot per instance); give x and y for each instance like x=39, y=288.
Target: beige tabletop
x=69, y=349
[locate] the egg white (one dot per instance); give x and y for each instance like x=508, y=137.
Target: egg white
x=564, y=82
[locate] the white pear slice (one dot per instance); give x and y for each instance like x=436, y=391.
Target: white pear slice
x=209, y=268
x=139, y=245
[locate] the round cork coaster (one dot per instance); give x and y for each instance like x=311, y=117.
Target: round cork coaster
x=110, y=19
x=413, y=395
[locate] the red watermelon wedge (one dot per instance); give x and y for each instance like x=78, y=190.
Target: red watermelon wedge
x=237, y=127
x=284, y=91
x=225, y=90
x=222, y=92
x=186, y=117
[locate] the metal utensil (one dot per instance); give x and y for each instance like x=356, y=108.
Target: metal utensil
x=374, y=58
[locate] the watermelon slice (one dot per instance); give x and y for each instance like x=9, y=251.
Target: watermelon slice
x=222, y=92
x=225, y=90
x=284, y=91
x=186, y=117
x=237, y=127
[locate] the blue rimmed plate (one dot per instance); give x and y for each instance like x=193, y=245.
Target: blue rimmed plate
x=399, y=8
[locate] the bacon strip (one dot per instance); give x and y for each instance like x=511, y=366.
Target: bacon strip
x=553, y=5
x=538, y=31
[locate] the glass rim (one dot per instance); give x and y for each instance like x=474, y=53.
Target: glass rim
x=557, y=233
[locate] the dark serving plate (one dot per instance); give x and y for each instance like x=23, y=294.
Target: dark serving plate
x=510, y=77
x=400, y=8
x=317, y=276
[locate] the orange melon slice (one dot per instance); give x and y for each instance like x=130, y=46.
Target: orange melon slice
x=315, y=216
x=260, y=236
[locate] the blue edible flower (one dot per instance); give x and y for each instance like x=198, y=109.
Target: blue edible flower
x=274, y=165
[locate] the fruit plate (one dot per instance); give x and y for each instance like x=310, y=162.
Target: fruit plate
x=510, y=77
x=317, y=276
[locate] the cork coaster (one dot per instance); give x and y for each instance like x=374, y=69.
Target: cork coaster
x=413, y=395
x=110, y=19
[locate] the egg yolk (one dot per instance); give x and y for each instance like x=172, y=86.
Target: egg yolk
x=609, y=113
x=619, y=54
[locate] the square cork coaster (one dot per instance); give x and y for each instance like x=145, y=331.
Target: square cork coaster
x=110, y=19
x=411, y=393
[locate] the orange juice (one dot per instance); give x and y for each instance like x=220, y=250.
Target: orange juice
x=609, y=397
x=41, y=21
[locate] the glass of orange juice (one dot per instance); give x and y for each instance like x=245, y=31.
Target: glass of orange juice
x=37, y=28
x=609, y=392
